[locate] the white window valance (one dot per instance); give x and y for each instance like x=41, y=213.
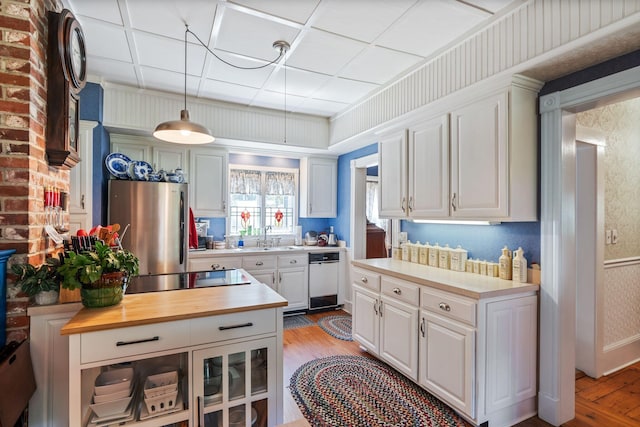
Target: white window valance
x=243, y=181
x=280, y=184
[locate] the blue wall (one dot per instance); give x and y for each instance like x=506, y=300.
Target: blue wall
x=91, y=102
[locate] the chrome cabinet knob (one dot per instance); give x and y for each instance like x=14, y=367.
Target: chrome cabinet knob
x=444, y=306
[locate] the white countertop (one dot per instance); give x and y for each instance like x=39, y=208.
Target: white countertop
x=253, y=250
x=466, y=284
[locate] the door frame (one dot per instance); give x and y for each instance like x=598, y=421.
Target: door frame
x=556, y=396
x=358, y=220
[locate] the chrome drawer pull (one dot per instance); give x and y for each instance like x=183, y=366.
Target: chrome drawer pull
x=397, y=291
x=375, y=307
x=242, y=325
x=293, y=261
x=444, y=306
x=259, y=263
x=215, y=266
x=422, y=328
x=121, y=343
x=364, y=280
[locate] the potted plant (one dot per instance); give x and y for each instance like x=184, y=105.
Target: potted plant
x=42, y=283
x=101, y=274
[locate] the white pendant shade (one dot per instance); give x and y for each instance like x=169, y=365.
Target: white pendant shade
x=183, y=131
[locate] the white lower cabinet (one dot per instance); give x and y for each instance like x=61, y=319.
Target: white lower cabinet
x=229, y=370
x=476, y=355
x=286, y=274
x=214, y=263
x=387, y=326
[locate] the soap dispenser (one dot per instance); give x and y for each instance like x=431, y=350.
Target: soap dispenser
x=519, y=267
x=505, y=264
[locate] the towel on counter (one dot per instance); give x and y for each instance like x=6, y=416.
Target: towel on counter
x=193, y=233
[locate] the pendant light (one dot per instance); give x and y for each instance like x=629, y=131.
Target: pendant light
x=183, y=131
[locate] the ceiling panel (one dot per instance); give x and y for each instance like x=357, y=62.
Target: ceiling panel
x=168, y=81
x=297, y=11
x=227, y=91
x=161, y=52
x=275, y=100
x=218, y=70
x=360, y=20
x=112, y=71
x=107, y=10
x=324, y=52
x=343, y=90
x=106, y=40
x=379, y=65
x=299, y=82
x=321, y=107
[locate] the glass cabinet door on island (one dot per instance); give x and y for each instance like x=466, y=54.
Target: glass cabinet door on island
x=231, y=384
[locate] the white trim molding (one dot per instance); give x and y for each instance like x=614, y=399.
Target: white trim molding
x=558, y=236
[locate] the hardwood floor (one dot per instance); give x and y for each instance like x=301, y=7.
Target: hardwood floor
x=612, y=401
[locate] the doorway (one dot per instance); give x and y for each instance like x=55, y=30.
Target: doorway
x=556, y=399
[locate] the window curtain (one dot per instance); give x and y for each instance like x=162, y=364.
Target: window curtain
x=280, y=184
x=244, y=181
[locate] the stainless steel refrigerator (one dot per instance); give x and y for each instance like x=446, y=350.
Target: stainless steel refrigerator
x=157, y=213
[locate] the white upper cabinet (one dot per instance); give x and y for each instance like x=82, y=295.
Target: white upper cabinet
x=170, y=158
x=480, y=159
x=480, y=166
x=318, y=187
x=414, y=171
x=208, y=182
x=133, y=147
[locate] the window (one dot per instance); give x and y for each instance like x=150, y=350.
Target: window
x=259, y=198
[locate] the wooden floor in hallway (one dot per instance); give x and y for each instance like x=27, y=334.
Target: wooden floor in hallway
x=611, y=401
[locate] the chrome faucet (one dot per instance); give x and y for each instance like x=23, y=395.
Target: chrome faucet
x=264, y=241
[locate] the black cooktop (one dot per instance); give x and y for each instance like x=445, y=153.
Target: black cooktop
x=196, y=279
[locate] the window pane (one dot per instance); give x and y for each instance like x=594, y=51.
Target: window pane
x=280, y=214
x=244, y=213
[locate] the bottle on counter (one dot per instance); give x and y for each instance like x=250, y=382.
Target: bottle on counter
x=444, y=257
x=504, y=262
x=406, y=246
x=433, y=255
x=458, y=259
x=519, y=268
x=414, y=252
x=423, y=254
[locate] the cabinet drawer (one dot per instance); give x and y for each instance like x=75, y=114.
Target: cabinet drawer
x=220, y=263
x=286, y=261
x=366, y=278
x=401, y=290
x=231, y=326
x=453, y=306
x=258, y=262
x=123, y=342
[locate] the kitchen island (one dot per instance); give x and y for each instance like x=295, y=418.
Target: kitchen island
x=470, y=340
x=225, y=343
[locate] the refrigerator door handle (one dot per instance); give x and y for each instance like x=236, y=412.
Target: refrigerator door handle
x=182, y=227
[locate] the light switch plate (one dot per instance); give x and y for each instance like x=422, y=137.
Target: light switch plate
x=614, y=236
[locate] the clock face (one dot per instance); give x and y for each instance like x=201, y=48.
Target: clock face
x=74, y=53
x=77, y=53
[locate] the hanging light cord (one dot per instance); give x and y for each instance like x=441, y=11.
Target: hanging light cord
x=282, y=52
x=185, y=65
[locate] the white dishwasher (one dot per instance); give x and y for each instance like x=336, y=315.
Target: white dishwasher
x=323, y=280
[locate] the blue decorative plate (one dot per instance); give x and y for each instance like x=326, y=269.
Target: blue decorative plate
x=118, y=165
x=139, y=169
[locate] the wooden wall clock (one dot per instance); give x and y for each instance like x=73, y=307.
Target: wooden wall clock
x=66, y=76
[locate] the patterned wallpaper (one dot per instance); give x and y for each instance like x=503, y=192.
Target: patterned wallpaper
x=620, y=123
x=621, y=308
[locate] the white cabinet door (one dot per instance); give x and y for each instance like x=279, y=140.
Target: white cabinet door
x=134, y=150
x=447, y=360
x=429, y=169
x=170, y=158
x=208, y=182
x=81, y=182
x=268, y=277
x=392, y=174
x=293, y=286
x=480, y=159
x=366, y=322
x=318, y=187
x=399, y=336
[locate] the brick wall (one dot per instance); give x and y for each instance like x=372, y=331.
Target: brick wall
x=24, y=172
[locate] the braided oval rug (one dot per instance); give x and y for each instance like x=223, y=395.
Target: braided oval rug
x=337, y=326
x=360, y=391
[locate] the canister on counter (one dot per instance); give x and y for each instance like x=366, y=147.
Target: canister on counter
x=414, y=252
x=434, y=253
x=458, y=259
x=483, y=267
x=406, y=247
x=444, y=257
x=423, y=255
x=476, y=266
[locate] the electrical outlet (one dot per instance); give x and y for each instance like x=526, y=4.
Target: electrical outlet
x=607, y=237
x=614, y=236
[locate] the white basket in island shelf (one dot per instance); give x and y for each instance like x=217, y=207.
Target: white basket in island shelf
x=161, y=392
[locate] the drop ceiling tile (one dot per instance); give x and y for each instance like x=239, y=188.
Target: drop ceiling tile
x=275, y=100
x=106, y=10
x=493, y=6
x=343, y=90
x=324, y=52
x=297, y=11
x=379, y=65
x=320, y=107
x=251, y=36
x=299, y=82
x=227, y=92
x=168, y=17
x=168, y=81
x=161, y=52
x=218, y=70
x=357, y=19
x=110, y=70
x=107, y=41
x=430, y=26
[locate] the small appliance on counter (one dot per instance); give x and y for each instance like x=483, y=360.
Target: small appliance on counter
x=311, y=238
